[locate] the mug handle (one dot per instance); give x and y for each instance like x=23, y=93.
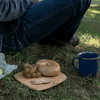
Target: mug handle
x=73, y=62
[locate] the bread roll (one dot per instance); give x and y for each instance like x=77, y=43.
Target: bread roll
x=48, y=67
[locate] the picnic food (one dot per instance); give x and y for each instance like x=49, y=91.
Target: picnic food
x=28, y=75
x=44, y=67
x=1, y=71
x=26, y=70
x=34, y=68
x=48, y=67
x=33, y=75
x=40, y=81
x=31, y=71
x=38, y=74
x=25, y=65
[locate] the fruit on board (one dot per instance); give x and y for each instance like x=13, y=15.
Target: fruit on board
x=1, y=71
x=31, y=71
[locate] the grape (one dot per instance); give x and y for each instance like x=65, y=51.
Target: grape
x=25, y=65
x=33, y=68
x=38, y=74
x=34, y=75
x=32, y=72
x=29, y=66
x=24, y=73
x=26, y=70
x=28, y=75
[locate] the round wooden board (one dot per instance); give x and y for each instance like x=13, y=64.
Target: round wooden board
x=27, y=81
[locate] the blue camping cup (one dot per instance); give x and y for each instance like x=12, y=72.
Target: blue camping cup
x=88, y=63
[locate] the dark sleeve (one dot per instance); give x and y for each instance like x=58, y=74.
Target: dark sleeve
x=13, y=9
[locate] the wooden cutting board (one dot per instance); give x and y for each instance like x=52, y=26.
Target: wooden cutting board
x=27, y=81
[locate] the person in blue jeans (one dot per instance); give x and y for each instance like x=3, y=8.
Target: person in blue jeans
x=24, y=22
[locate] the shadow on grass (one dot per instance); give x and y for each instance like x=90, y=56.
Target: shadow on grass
x=93, y=12
x=97, y=2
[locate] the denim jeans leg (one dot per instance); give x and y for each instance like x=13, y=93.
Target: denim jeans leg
x=45, y=17
x=67, y=30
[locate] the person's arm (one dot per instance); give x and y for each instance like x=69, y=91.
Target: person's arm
x=13, y=9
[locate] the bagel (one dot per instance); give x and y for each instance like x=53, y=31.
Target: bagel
x=48, y=67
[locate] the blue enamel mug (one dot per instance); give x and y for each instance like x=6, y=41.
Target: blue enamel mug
x=88, y=63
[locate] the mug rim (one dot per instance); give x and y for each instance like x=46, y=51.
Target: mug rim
x=88, y=58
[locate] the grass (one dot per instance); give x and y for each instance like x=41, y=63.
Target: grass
x=89, y=29
x=75, y=87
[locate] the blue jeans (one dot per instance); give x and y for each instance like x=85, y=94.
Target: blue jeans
x=57, y=18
